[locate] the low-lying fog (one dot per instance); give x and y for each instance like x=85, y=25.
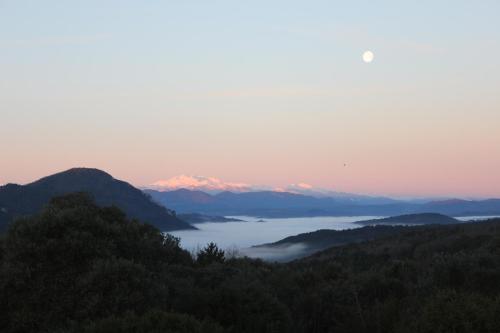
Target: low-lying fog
x=241, y=236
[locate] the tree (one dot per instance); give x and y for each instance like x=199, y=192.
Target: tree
x=210, y=254
x=152, y=322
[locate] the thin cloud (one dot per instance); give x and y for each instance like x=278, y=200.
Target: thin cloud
x=354, y=35
x=56, y=41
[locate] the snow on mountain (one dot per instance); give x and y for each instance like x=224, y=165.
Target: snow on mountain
x=207, y=184
x=214, y=185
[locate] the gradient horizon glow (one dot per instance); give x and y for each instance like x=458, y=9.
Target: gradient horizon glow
x=258, y=92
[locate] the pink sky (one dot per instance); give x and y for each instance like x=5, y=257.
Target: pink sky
x=391, y=151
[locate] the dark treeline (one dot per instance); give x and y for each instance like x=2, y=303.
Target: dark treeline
x=76, y=267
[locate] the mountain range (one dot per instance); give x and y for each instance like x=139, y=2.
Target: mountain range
x=21, y=200
x=207, y=184
x=285, y=204
x=161, y=208
x=213, y=185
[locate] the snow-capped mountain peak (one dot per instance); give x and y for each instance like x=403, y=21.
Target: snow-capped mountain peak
x=208, y=184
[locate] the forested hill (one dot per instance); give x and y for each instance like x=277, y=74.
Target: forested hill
x=4, y=220
x=424, y=242
x=18, y=200
x=441, y=278
x=305, y=244
x=77, y=267
x=302, y=245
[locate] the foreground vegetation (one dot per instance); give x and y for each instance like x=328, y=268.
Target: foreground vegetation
x=79, y=268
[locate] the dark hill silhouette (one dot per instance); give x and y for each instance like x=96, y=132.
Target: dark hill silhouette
x=200, y=218
x=412, y=219
x=22, y=200
x=4, y=220
x=304, y=244
x=326, y=238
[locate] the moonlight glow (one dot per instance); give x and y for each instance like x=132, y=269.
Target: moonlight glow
x=368, y=56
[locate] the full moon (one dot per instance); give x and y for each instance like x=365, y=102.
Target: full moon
x=368, y=56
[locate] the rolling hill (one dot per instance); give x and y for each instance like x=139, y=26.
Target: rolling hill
x=22, y=200
x=305, y=244
x=412, y=219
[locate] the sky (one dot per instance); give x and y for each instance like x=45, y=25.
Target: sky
x=255, y=92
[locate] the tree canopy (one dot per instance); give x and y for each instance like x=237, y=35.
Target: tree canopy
x=77, y=267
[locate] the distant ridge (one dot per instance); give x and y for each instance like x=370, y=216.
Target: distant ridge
x=271, y=204
x=412, y=219
x=21, y=200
